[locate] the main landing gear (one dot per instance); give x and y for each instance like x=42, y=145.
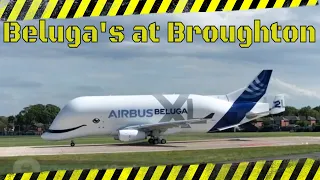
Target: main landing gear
x=153, y=140
x=72, y=143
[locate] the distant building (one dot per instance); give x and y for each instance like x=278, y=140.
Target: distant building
x=285, y=121
x=311, y=120
x=38, y=128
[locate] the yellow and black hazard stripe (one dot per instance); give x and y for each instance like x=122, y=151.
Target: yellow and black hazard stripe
x=277, y=169
x=12, y=10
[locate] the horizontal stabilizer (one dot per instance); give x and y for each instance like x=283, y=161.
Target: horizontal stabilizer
x=227, y=127
x=252, y=116
x=278, y=104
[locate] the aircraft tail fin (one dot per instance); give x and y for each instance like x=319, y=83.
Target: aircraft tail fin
x=254, y=91
x=278, y=104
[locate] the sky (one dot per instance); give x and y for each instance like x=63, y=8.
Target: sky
x=53, y=73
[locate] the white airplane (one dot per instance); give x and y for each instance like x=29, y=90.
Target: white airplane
x=137, y=117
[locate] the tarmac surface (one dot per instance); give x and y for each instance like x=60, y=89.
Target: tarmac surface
x=145, y=147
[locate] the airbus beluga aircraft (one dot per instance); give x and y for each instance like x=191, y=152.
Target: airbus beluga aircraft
x=137, y=117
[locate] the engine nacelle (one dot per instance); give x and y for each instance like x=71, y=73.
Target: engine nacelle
x=131, y=135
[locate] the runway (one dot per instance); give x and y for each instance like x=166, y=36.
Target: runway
x=145, y=147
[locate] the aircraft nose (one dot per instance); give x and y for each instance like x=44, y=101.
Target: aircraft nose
x=46, y=136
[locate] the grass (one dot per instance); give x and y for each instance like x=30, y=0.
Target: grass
x=55, y=162
x=9, y=141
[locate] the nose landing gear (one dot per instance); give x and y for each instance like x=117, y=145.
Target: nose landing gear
x=72, y=143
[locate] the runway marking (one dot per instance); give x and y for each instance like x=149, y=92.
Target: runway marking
x=255, y=145
x=123, y=148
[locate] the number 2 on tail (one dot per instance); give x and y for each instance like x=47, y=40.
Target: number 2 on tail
x=276, y=104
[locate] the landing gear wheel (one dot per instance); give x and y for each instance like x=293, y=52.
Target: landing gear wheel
x=163, y=141
x=155, y=141
x=72, y=144
x=151, y=141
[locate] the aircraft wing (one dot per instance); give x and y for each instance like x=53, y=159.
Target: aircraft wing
x=167, y=125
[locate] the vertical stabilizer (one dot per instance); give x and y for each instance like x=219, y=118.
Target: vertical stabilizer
x=244, y=100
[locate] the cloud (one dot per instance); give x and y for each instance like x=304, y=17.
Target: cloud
x=17, y=83
x=296, y=90
x=54, y=73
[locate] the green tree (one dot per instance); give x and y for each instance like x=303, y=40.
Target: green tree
x=308, y=111
x=314, y=113
x=266, y=122
x=20, y=120
x=291, y=111
x=317, y=108
x=11, y=119
x=3, y=122
x=52, y=111
x=23, y=119
x=37, y=113
x=302, y=123
x=305, y=111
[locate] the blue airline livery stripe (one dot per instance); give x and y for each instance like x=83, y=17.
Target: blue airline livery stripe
x=256, y=89
x=245, y=102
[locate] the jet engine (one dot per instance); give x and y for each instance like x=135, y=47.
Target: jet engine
x=131, y=135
